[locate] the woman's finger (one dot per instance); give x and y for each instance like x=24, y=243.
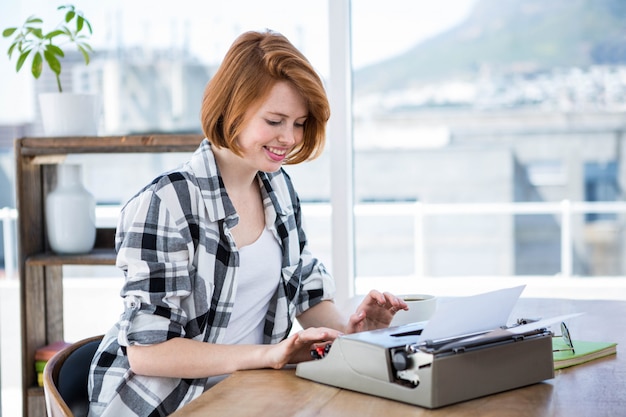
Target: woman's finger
x=316, y=335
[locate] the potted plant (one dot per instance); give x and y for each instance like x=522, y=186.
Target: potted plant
x=63, y=114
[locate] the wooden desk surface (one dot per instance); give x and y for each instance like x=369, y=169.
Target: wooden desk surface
x=594, y=389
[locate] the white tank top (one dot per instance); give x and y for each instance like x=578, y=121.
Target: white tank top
x=257, y=279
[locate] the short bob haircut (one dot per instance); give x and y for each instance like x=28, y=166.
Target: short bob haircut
x=255, y=62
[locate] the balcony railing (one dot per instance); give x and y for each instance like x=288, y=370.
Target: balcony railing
x=563, y=210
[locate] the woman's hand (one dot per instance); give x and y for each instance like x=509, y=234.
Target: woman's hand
x=297, y=347
x=375, y=312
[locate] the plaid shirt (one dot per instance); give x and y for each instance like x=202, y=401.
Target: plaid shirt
x=180, y=261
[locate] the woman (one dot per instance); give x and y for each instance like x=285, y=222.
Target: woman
x=216, y=262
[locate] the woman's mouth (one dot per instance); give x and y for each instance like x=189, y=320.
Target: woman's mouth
x=276, y=154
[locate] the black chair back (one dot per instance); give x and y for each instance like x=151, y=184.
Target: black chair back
x=65, y=379
x=73, y=375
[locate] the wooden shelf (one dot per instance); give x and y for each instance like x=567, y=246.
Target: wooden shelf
x=95, y=257
x=41, y=270
x=109, y=144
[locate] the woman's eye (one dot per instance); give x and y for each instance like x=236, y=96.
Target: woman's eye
x=273, y=122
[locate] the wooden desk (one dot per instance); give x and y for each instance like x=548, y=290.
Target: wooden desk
x=594, y=389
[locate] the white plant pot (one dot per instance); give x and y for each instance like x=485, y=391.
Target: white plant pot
x=70, y=114
x=70, y=213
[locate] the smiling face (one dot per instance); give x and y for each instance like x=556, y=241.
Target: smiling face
x=273, y=128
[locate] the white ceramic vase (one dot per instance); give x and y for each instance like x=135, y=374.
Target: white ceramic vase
x=69, y=114
x=70, y=213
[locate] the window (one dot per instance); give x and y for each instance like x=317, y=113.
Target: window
x=473, y=139
x=455, y=102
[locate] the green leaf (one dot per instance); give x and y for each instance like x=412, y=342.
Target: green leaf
x=30, y=29
x=85, y=53
x=55, y=50
x=33, y=19
x=86, y=46
x=69, y=16
x=37, y=32
x=79, y=23
x=66, y=6
x=52, y=61
x=23, y=46
x=21, y=59
x=8, y=32
x=53, y=34
x=10, y=51
x=37, y=65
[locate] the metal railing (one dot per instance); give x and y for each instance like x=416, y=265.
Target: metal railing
x=418, y=210
x=564, y=210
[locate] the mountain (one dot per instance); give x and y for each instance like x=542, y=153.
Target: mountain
x=502, y=36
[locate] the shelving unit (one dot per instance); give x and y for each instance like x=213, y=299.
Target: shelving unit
x=40, y=270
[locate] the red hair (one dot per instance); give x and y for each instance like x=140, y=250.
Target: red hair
x=251, y=67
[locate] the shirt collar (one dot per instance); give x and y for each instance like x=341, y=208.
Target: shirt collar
x=218, y=204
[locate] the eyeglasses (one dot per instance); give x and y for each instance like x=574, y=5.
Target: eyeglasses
x=567, y=338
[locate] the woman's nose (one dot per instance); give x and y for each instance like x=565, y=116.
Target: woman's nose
x=288, y=136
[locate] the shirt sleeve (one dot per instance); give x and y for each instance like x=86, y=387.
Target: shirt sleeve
x=317, y=284
x=154, y=255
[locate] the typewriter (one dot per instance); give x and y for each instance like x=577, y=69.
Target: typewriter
x=399, y=364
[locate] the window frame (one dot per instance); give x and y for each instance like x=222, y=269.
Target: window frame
x=340, y=136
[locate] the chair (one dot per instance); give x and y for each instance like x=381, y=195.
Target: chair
x=65, y=379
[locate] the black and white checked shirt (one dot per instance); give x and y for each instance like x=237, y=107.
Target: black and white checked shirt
x=174, y=245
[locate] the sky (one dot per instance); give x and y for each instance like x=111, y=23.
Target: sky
x=380, y=29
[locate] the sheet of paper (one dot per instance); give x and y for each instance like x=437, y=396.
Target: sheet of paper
x=473, y=314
